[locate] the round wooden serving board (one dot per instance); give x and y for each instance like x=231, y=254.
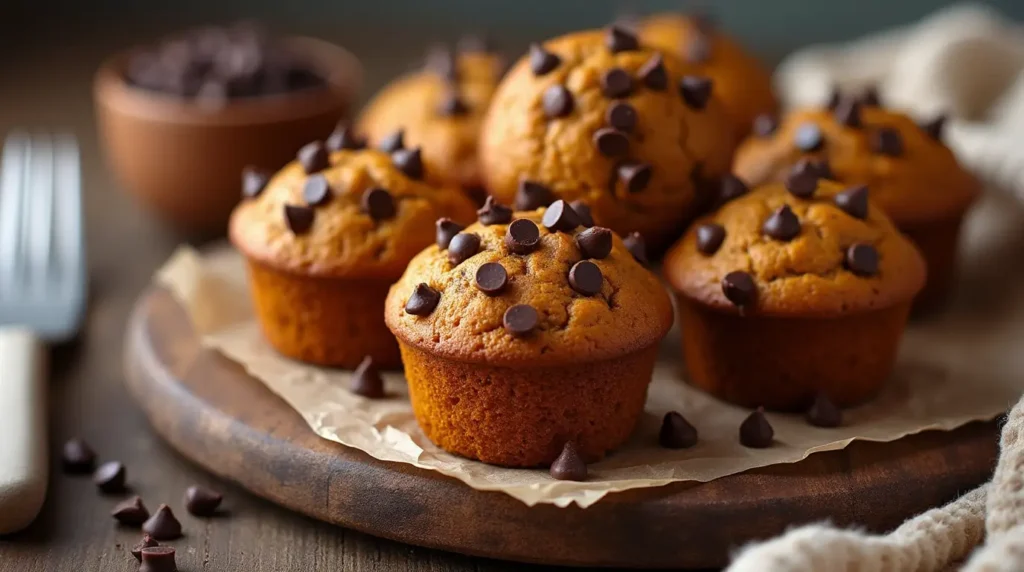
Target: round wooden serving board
x=211, y=411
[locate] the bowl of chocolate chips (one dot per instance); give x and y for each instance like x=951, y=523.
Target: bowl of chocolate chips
x=181, y=119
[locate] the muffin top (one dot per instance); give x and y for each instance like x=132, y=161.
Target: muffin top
x=352, y=212
x=439, y=109
x=540, y=290
x=741, y=81
x=595, y=116
x=773, y=252
x=912, y=175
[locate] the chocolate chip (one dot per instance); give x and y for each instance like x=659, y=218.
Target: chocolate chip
x=130, y=512
x=158, y=559
x=366, y=380
x=532, y=195
x=782, y=224
x=491, y=278
x=393, y=142
x=569, y=466
x=802, y=179
x=316, y=191
x=820, y=166
x=739, y=288
x=834, y=97
x=146, y=542
x=162, y=525
x=313, y=157
x=409, y=162
x=422, y=301
x=637, y=246
x=110, y=477
x=201, y=501
x=710, y=237
x=620, y=39
x=847, y=112
x=446, y=229
x=522, y=236
x=616, y=83
x=634, y=176
x=755, y=431
x=254, y=180
x=731, y=187
x=520, y=320
x=78, y=457
x=765, y=125
x=344, y=137
x=542, y=61
x=611, y=142
x=854, y=201
x=696, y=91
x=887, y=141
x=871, y=97
x=464, y=245
x=676, y=432
x=298, y=218
x=808, y=137
x=560, y=217
x=862, y=259
x=935, y=127
x=557, y=101
x=621, y=116
x=583, y=212
x=452, y=105
x=378, y=203
x=586, y=278
x=698, y=49
x=653, y=74
x=595, y=242
x=824, y=413
x=493, y=212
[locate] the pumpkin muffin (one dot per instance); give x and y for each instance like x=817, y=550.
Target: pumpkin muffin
x=597, y=117
x=793, y=291
x=521, y=334
x=324, y=239
x=912, y=175
x=742, y=82
x=439, y=108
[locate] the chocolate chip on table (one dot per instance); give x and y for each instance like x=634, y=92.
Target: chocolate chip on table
x=887, y=141
x=862, y=259
x=463, y=246
x=765, y=125
x=739, y=288
x=77, y=457
x=871, y=97
x=853, y=201
x=344, y=138
x=452, y=105
x=698, y=49
x=393, y=141
x=409, y=162
x=491, y=278
x=824, y=413
x=316, y=191
x=366, y=380
x=131, y=512
x=520, y=320
x=569, y=466
x=637, y=246
x=634, y=176
x=756, y=432
x=710, y=236
x=731, y=187
x=446, y=229
x=616, y=83
x=583, y=212
x=808, y=137
x=782, y=224
x=542, y=61
x=676, y=432
x=493, y=212
x=146, y=542
x=299, y=218
x=522, y=236
x=847, y=112
x=557, y=101
x=201, y=501
x=158, y=559
x=531, y=195
x=162, y=525
x=422, y=301
x=611, y=142
x=595, y=242
x=559, y=216
x=378, y=203
x=586, y=278
x=110, y=477
x=254, y=180
x=653, y=74
x=695, y=90
x=935, y=127
x=802, y=179
x=619, y=39
x=313, y=157
x=621, y=116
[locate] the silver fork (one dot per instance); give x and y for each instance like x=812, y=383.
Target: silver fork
x=42, y=296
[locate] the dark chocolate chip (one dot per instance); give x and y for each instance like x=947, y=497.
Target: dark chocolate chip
x=676, y=432
x=586, y=278
x=824, y=413
x=344, y=137
x=463, y=245
x=870, y=97
x=808, y=137
x=442, y=61
x=393, y=142
x=532, y=195
x=422, y=301
x=862, y=259
x=452, y=105
x=834, y=97
x=299, y=218
x=755, y=431
x=710, y=237
x=446, y=229
x=409, y=162
x=560, y=217
x=847, y=112
x=653, y=74
x=739, y=288
x=520, y=320
x=491, y=278
x=569, y=466
x=201, y=501
x=854, y=201
x=366, y=380
x=731, y=187
x=378, y=203
x=313, y=157
x=110, y=477
x=782, y=224
x=935, y=127
x=522, y=236
x=146, y=542
x=621, y=116
x=493, y=212
x=158, y=559
x=802, y=179
x=637, y=246
x=820, y=166
x=695, y=90
x=887, y=141
x=620, y=39
x=254, y=180
x=611, y=142
x=131, y=512
x=765, y=125
x=557, y=101
x=583, y=212
x=595, y=242
x=316, y=191
x=542, y=61
x=698, y=49
x=616, y=83
x=78, y=458
x=634, y=176
x=162, y=525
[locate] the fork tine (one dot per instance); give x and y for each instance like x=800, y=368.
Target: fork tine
x=15, y=155
x=69, y=240
x=37, y=235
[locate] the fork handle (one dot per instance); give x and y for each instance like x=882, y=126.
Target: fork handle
x=23, y=458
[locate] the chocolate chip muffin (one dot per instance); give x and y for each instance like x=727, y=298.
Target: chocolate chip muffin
x=742, y=82
x=912, y=175
x=523, y=333
x=791, y=291
x=326, y=236
x=597, y=117
x=439, y=109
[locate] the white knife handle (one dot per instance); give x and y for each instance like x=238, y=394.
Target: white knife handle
x=23, y=457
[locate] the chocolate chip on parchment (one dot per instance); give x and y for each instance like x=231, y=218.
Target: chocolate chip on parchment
x=491, y=278
x=316, y=191
x=201, y=501
x=254, y=180
x=158, y=559
x=422, y=301
x=862, y=259
x=782, y=224
x=611, y=142
x=299, y=218
x=621, y=116
x=853, y=201
x=313, y=157
x=802, y=179
x=695, y=90
x=935, y=127
x=542, y=61
x=493, y=212
x=366, y=380
x=463, y=246
x=739, y=288
x=765, y=125
x=586, y=278
x=569, y=466
x=637, y=246
x=583, y=212
x=146, y=542
x=824, y=413
x=452, y=105
x=619, y=39
x=847, y=112
x=131, y=512
x=522, y=236
x=710, y=237
x=559, y=216
x=393, y=142
x=676, y=432
x=634, y=176
x=520, y=320
x=77, y=457
x=162, y=525
x=653, y=74
x=808, y=137
x=755, y=431
x=378, y=203
x=110, y=477
x=409, y=162
x=557, y=101
x=616, y=83
x=446, y=229
x=344, y=138
x=531, y=195
x=887, y=141
x=595, y=242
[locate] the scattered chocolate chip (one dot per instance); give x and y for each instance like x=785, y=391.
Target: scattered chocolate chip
x=637, y=246
x=131, y=512
x=595, y=242
x=808, y=137
x=847, y=112
x=824, y=413
x=634, y=176
x=557, y=101
x=422, y=301
x=522, y=236
x=560, y=217
x=78, y=458
x=493, y=212
x=676, y=432
x=731, y=187
x=710, y=237
x=854, y=201
x=344, y=137
x=611, y=142
x=652, y=73
x=887, y=141
x=158, y=559
x=765, y=124
x=201, y=501
x=146, y=542
x=378, y=203
x=698, y=49
x=542, y=61
x=620, y=39
x=935, y=127
x=696, y=91
x=393, y=142
x=110, y=477
x=586, y=278
x=834, y=97
x=463, y=245
x=871, y=97
x=446, y=229
x=739, y=288
x=569, y=466
x=621, y=116
x=862, y=259
x=616, y=83
x=316, y=191
x=299, y=218
x=755, y=431
x=520, y=320
x=583, y=212
x=452, y=105
x=254, y=180
x=802, y=179
x=409, y=162
x=782, y=224
x=491, y=278
x=532, y=195
x=313, y=157
x=366, y=380
x=442, y=61
x=162, y=525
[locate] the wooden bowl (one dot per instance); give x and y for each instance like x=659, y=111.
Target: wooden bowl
x=184, y=160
